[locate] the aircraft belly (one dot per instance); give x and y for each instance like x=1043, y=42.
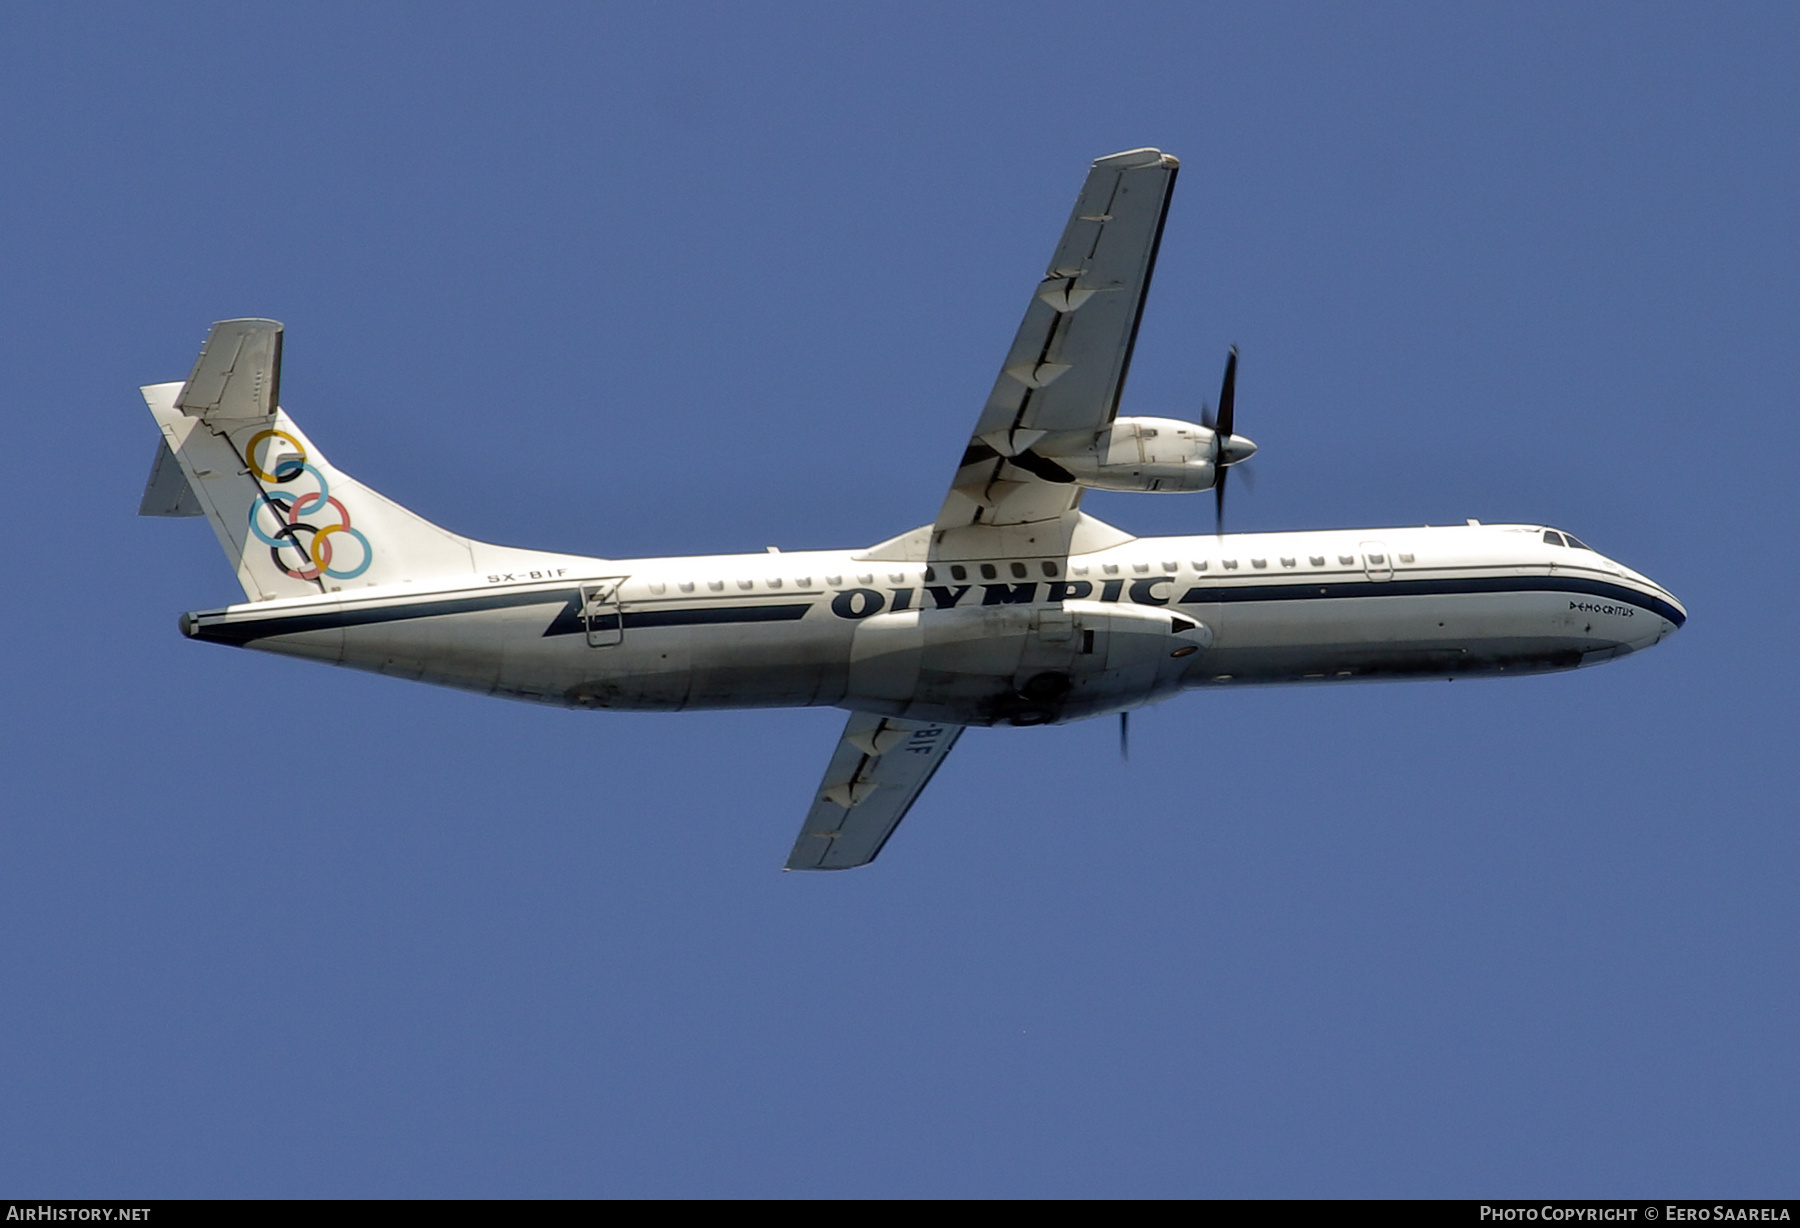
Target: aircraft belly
x=650, y=671
x=1022, y=665
x=524, y=652
x=468, y=651
x=325, y=645
x=962, y=666
x=1408, y=636
x=770, y=666
x=757, y=665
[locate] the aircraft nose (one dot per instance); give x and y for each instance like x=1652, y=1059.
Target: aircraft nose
x=1668, y=612
x=1679, y=610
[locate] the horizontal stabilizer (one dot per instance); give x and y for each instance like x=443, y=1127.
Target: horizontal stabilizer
x=167, y=493
x=238, y=374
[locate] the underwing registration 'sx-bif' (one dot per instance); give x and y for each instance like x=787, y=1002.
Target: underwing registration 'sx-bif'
x=1013, y=606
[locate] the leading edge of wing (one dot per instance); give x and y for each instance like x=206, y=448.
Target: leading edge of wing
x=877, y=772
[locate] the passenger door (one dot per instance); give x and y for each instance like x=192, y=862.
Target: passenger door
x=601, y=614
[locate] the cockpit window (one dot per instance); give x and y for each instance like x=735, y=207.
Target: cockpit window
x=1552, y=537
x=1579, y=545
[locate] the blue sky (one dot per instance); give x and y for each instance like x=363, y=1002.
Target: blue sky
x=667, y=279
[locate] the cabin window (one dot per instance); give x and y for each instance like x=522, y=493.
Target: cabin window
x=1406, y=558
x=1140, y=568
x=1317, y=560
x=1169, y=566
x=1287, y=562
x=958, y=572
x=1346, y=559
x=834, y=581
x=866, y=577
x=803, y=582
x=1050, y=569
x=1200, y=566
x=687, y=586
x=659, y=587
x=1230, y=564
x=930, y=574
x=988, y=572
x=1019, y=571
x=746, y=585
x=1259, y=562
x=1552, y=537
x=717, y=586
x=1377, y=559
x=773, y=581
x=1078, y=571
x=1111, y=569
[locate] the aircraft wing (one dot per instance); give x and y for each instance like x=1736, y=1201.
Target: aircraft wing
x=1067, y=365
x=879, y=769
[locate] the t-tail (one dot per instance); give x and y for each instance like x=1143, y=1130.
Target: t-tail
x=291, y=524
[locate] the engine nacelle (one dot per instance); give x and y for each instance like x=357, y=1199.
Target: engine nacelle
x=1141, y=455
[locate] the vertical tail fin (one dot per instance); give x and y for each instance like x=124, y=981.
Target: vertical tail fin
x=291, y=524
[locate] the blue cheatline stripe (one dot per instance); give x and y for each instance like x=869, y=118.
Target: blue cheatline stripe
x=1205, y=594
x=567, y=620
x=725, y=614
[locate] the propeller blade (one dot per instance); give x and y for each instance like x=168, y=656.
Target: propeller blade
x=1125, y=737
x=1228, y=395
x=1222, y=429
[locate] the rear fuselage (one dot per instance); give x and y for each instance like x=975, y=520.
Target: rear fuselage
x=1025, y=641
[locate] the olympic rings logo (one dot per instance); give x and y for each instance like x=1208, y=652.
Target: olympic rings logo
x=294, y=513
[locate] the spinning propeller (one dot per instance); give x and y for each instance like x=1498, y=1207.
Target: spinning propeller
x=1228, y=449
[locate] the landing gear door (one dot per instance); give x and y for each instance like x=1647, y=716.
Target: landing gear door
x=1378, y=564
x=600, y=612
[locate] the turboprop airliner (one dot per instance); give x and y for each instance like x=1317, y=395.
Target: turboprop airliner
x=1012, y=607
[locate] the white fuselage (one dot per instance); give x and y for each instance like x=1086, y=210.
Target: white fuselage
x=1025, y=641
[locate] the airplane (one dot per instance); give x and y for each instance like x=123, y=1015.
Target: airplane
x=1014, y=606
